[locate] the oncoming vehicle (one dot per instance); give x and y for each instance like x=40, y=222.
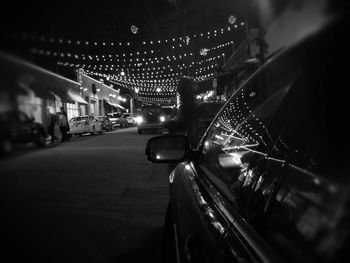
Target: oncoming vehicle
x=268, y=181
x=84, y=124
x=16, y=127
x=150, y=119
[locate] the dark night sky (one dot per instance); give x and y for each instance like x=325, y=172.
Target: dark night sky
x=111, y=20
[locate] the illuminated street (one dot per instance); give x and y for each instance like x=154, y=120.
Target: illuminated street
x=92, y=199
x=163, y=131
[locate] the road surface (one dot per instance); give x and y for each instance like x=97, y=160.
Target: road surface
x=92, y=199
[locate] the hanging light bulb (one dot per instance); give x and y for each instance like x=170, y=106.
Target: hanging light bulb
x=134, y=29
x=232, y=19
x=204, y=51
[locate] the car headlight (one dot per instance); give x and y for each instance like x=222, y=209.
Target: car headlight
x=162, y=118
x=139, y=119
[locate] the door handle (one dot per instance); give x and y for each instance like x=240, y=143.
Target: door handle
x=191, y=248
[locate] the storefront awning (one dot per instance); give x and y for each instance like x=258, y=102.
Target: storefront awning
x=115, y=105
x=44, y=83
x=62, y=92
x=39, y=91
x=76, y=97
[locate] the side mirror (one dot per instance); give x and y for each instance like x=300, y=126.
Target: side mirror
x=167, y=149
x=32, y=119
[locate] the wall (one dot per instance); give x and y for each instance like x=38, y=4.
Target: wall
x=97, y=106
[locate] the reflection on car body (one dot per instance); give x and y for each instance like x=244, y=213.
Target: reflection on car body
x=268, y=180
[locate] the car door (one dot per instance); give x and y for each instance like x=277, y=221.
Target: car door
x=98, y=124
x=91, y=121
x=305, y=214
x=199, y=225
x=235, y=151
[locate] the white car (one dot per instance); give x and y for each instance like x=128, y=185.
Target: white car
x=117, y=120
x=131, y=120
x=84, y=124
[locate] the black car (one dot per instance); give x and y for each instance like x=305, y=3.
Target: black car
x=150, y=119
x=269, y=180
x=17, y=127
x=106, y=124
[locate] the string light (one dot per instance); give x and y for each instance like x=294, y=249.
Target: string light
x=144, y=71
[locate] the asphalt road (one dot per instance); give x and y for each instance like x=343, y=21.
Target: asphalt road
x=92, y=199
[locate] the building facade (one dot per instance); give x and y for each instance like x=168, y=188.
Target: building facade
x=101, y=98
x=35, y=91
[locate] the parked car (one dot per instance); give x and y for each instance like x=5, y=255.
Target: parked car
x=17, y=127
x=150, y=119
x=117, y=120
x=269, y=180
x=84, y=124
x=106, y=124
x=130, y=119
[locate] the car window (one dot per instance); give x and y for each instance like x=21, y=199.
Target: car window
x=306, y=215
x=241, y=134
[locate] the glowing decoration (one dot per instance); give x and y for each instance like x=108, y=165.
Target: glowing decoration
x=150, y=75
x=232, y=19
x=134, y=29
x=204, y=51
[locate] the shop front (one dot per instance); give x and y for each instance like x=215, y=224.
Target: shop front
x=34, y=90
